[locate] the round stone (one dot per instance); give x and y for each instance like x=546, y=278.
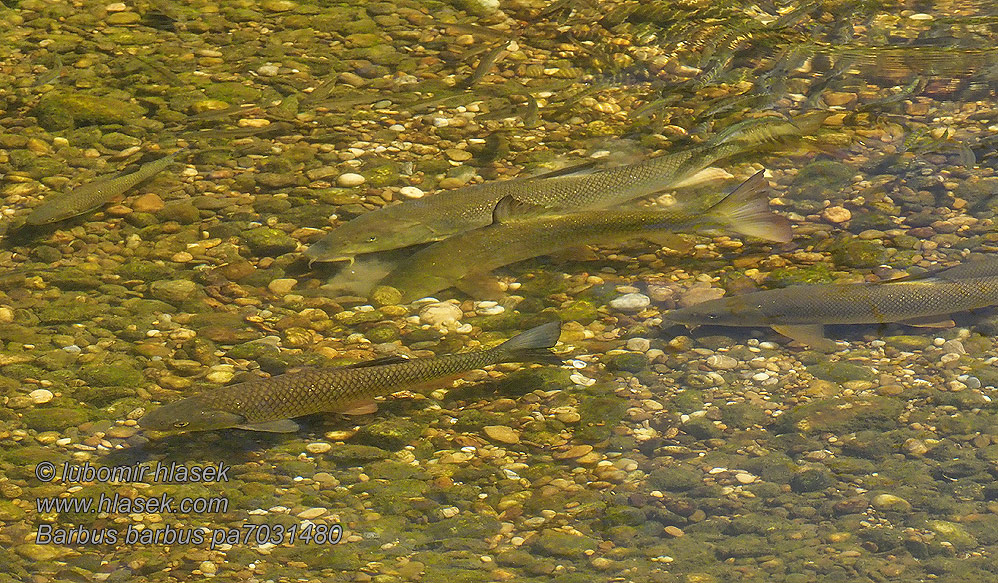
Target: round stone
x=836, y=214
x=440, y=313
x=40, y=396
x=502, y=434
x=350, y=179
x=411, y=192
x=630, y=302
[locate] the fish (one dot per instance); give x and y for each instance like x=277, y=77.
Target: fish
x=89, y=196
x=801, y=311
x=270, y=404
x=447, y=213
x=521, y=233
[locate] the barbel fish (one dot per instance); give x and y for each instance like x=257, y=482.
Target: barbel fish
x=447, y=213
x=89, y=196
x=269, y=404
x=464, y=259
x=802, y=311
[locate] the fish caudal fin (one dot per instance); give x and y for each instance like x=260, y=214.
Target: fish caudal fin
x=533, y=344
x=746, y=211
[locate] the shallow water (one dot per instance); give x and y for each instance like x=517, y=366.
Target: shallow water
x=653, y=455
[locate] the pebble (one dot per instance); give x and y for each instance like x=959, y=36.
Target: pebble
x=638, y=344
x=674, y=531
x=148, y=203
x=318, y=447
x=282, y=287
x=411, y=192
x=268, y=70
x=350, y=179
x=697, y=295
x=440, y=314
x=208, y=568
x=890, y=503
x=312, y=513
x=573, y=452
x=744, y=478
x=502, y=433
x=458, y=155
x=721, y=362
x=630, y=302
x=836, y=214
x=40, y=396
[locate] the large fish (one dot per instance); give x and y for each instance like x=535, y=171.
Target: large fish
x=463, y=258
x=89, y=196
x=801, y=311
x=269, y=404
x=447, y=213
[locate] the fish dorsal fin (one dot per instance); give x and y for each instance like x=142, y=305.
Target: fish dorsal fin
x=278, y=426
x=510, y=208
x=380, y=361
x=812, y=335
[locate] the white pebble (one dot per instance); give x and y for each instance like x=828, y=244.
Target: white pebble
x=411, y=192
x=350, y=179
x=721, y=361
x=268, y=70
x=40, y=396
x=630, y=302
x=440, y=313
x=491, y=310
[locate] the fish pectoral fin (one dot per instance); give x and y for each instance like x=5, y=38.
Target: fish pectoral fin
x=278, y=426
x=381, y=361
x=576, y=253
x=483, y=286
x=808, y=334
x=929, y=322
x=358, y=408
x=510, y=209
x=706, y=175
x=674, y=241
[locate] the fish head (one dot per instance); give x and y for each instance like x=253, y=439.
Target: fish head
x=733, y=311
x=190, y=414
x=361, y=236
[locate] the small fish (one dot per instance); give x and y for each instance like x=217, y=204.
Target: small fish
x=89, y=196
x=447, y=213
x=269, y=404
x=465, y=259
x=801, y=311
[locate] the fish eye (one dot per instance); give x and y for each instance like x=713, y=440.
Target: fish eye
x=372, y=238
x=180, y=424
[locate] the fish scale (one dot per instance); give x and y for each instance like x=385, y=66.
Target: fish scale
x=446, y=213
x=864, y=303
x=315, y=390
x=269, y=404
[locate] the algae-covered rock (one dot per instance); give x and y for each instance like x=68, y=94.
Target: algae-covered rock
x=581, y=311
x=265, y=241
x=841, y=372
x=677, y=478
x=628, y=362
x=953, y=533
x=853, y=253
x=351, y=454
x=68, y=310
x=561, y=544
x=53, y=418
x=841, y=416
x=115, y=374
x=67, y=110
x=174, y=291
x=391, y=434
x=811, y=480
x=908, y=343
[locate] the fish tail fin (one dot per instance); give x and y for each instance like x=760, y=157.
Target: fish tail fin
x=533, y=345
x=746, y=211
